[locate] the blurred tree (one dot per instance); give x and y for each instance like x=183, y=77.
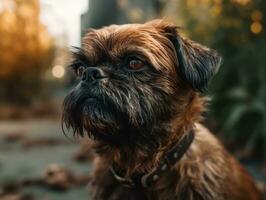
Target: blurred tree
x=236, y=29
x=26, y=50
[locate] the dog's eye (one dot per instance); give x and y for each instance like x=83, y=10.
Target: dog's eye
x=135, y=64
x=80, y=70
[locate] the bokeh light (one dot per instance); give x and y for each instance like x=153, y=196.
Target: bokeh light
x=256, y=15
x=256, y=27
x=58, y=71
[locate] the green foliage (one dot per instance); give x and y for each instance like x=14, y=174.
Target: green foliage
x=240, y=103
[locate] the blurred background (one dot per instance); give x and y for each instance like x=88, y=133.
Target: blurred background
x=38, y=162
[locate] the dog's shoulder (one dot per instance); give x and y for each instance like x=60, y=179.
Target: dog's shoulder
x=207, y=171
x=203, y=168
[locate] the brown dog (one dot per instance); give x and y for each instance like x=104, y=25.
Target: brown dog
x=139, y=99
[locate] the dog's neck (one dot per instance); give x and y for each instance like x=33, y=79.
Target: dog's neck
x=168, y=160
x=140, y=159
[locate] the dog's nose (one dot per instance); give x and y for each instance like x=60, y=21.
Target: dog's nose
x=93, y=73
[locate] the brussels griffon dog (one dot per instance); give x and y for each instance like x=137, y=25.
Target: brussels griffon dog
x=139, y=99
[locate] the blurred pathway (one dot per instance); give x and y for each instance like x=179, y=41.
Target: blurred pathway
x=27, y=148
x=37, y=151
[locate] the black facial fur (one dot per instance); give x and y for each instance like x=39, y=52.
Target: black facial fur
x=116, y=108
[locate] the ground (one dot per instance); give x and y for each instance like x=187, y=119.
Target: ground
x=37, y=161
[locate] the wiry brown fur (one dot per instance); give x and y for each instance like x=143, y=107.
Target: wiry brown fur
x=206, y=172
x=182, y=69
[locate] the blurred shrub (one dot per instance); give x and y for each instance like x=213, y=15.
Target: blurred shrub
x=240, y=104
x=26, y=50
x=236, y=29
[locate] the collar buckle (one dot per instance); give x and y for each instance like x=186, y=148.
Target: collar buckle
x=127, y=182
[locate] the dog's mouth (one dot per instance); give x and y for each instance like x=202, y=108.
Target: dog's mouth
x=105, y=122
x=85, y=111
x=95, y=116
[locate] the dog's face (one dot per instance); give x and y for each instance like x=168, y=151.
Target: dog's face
x=131, y=77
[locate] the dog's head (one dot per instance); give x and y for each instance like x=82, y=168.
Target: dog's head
x=131, y=79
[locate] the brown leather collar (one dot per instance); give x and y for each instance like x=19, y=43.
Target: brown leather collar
x=169, y=160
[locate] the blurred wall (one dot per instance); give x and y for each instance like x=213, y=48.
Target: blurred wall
x=102, y=12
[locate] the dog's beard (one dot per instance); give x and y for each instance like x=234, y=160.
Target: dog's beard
x=114, y=113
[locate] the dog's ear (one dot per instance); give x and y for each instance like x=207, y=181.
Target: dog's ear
x=196, y=63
